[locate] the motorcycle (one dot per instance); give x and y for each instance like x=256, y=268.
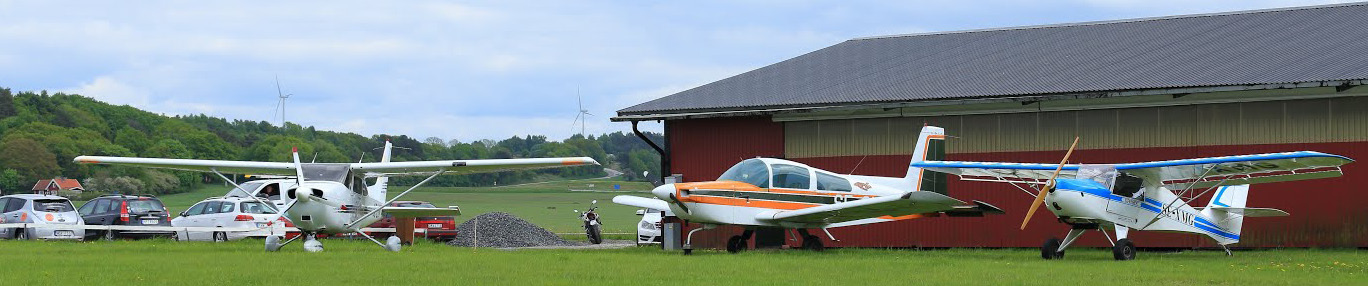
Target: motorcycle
x=592, y=227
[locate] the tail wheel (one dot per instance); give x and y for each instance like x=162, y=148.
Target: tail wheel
x=1124, y=250
x=812, y=243
x=736, y=244
x=1051, y=249
x=220, y=236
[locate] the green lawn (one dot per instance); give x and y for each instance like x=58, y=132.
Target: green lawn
x=353, y=262
x=550, y=205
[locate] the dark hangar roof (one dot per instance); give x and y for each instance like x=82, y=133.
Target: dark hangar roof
x=1246, y=48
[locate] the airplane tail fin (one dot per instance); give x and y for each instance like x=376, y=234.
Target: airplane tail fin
x=1226, y=211
x=930, y=146
x=378, y=190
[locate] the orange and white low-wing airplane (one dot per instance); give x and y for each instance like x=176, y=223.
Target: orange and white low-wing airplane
x=767, y=192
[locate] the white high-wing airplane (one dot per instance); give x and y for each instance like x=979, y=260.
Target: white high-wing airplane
x=333, y=197
x=1140, y=196
x=766, y=192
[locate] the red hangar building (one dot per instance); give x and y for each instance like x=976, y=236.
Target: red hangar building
x=1135, y=90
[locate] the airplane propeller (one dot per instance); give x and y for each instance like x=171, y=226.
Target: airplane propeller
x=1049, y=186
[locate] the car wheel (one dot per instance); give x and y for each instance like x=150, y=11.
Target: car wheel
x=220, y=236
x=109, y=235
x=21, y=234
x=175, y=236
x=1050, y=249
x=1124, y=250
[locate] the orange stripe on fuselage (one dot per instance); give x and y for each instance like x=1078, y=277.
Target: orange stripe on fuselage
x=747, y=203
x=744, y=187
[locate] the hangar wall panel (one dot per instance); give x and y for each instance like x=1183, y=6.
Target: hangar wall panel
x=1331, y=216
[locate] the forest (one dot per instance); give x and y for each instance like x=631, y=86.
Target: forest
x=40, y=133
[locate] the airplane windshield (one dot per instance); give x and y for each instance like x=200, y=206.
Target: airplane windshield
x=326, y=172
x=751, y=171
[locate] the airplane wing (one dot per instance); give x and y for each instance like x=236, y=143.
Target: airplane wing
x=655, y=204
x=912, y=203
x=422, y=211
x=467, y=166
x=999, y=172
x=231, y=167
x=1239, y=170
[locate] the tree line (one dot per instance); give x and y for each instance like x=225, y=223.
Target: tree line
x=40, y=134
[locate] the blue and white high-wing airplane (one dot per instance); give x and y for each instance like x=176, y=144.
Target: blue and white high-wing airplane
x=1141, y=196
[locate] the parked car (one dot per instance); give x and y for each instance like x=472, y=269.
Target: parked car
x=226, y=212
x=130, y=210
x=39, y=210
x=648, y=229
x=441, y=228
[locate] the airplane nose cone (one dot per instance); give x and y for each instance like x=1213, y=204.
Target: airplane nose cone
x=664, y=191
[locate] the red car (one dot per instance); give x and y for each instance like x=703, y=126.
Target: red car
x=441, y=228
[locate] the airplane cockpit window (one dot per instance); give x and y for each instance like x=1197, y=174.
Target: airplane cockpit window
x=751, y=171
x=791, y=177
x=1128, y=186
x=326, y=172
x=829, y=182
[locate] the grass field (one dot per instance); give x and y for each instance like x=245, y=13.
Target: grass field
x=354, y=262
x=549, y=205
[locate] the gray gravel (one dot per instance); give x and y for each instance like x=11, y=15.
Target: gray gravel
x=500, y=229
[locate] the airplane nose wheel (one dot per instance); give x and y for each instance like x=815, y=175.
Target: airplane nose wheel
x=1051, y=249
x=312, y=244
x=1124, y=250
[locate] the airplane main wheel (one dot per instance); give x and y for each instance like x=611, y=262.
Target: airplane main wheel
x=736, y=244
x=1124, y=250
x=812, y=243
x=1050, y=249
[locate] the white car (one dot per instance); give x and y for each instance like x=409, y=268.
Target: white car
x=648, y=229
x=39, y=210
x=227, y=212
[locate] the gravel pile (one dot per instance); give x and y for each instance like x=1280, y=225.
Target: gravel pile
x=500, y=229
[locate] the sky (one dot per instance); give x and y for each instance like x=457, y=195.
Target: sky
x=464, y=70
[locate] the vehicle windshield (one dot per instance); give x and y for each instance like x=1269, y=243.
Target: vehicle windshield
x=247, y=189
x=256, y=208
x=326, y=172
x=144, y=206
x=53, y=205
x=415, y=204
x=751, y=171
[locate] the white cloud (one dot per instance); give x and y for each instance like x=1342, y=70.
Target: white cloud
x=108, y=89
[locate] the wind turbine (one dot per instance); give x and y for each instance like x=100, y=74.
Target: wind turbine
x=280, y=105
x=583, y=115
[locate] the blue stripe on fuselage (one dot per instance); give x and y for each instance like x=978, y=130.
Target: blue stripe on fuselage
x=1093, y=188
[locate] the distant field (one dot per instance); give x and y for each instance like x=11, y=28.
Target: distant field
x=353, y=262
x=550, y=205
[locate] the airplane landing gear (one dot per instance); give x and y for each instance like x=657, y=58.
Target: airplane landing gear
x=1051, y=249
x=738, y=243
x=811, y=242
x=1123, y=250
x=311, y=244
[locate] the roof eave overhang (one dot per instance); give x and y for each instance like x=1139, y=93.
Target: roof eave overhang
x=771, y=110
